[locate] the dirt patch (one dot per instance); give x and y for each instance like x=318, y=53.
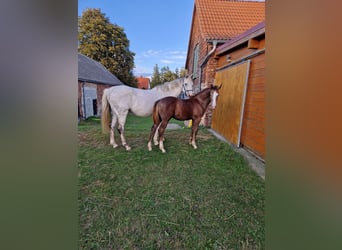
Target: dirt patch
x=88, y=139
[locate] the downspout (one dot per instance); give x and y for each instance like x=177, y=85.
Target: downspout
x=206, y=60
x=84, y=108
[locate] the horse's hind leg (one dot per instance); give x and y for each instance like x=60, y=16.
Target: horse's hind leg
x=161, y=135
x=112, y=130
x=121, y=129
x=155, y=137
x=154, y=131
x=194, y=130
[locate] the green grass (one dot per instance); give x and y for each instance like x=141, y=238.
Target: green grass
x=185, y=199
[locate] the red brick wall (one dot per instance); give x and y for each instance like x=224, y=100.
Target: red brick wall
x=208, y=69
x=99, y=94
x=195, y=38
x=100, y=88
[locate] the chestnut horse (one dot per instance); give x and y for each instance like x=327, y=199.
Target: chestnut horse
x=172, y=107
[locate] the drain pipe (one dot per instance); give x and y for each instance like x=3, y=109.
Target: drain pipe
x=84, y=104
x=206, y=60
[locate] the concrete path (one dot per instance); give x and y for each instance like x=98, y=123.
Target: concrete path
x=173, y=126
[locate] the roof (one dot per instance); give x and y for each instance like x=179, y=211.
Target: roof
x=224, y=19
x=90, y=70
x=143, y=82
x=253, y=32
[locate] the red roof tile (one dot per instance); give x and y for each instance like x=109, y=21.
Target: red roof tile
x=243, y=37
x=143, y=82
x=224, y=19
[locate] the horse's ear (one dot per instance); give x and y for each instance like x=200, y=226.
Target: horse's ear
x=219, y=87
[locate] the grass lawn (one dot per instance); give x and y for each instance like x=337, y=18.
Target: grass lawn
x=185, y=199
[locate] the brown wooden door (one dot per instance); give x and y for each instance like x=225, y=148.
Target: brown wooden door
x=228, y=114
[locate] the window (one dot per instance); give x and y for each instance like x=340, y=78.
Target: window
x=195, y=62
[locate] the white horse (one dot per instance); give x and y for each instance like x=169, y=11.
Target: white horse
x=122, y=99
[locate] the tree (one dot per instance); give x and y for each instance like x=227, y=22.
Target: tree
x=106, y=43
x=155, y=79
x=177, y=72
x=167, y=75
x=183, y=72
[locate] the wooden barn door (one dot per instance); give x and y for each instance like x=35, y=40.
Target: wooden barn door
x=228, y=114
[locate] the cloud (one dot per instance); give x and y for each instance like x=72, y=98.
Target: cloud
x=174, y=54
x=146, y=60
x=167, y=61
x=141, y=69
x=151, y=53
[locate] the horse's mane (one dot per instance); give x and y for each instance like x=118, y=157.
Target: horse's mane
x=201, y=92
x=168, y=85
x=212, y=87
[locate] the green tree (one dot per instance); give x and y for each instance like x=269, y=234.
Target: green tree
x=167, y=75
x=177, y=72
x=106, y=43
x=182, y=72
x=156, y=78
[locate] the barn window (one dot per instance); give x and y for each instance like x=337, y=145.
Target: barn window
x=195, y=63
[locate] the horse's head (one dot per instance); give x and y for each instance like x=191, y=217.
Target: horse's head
x=214, y=93
x=188, y=85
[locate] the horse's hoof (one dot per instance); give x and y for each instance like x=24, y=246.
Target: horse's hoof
x=115, y=145
x=128, y=148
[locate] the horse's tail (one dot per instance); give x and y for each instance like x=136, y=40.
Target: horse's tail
x=105, y=114
x=155, y=115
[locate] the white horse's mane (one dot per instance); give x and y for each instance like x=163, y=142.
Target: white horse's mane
x=169, y=85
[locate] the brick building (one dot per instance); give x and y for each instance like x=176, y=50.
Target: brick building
x=143, y=82
x=213, y=23
x=93, y=78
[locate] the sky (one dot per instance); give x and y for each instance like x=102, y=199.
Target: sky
x=158, y=30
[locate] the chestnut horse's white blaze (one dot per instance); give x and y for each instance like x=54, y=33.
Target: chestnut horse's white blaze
x=213, y=99
x=122, y=99
x=171, y=107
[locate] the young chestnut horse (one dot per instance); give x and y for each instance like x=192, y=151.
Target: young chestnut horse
x=172, y=107
x=122, y=99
